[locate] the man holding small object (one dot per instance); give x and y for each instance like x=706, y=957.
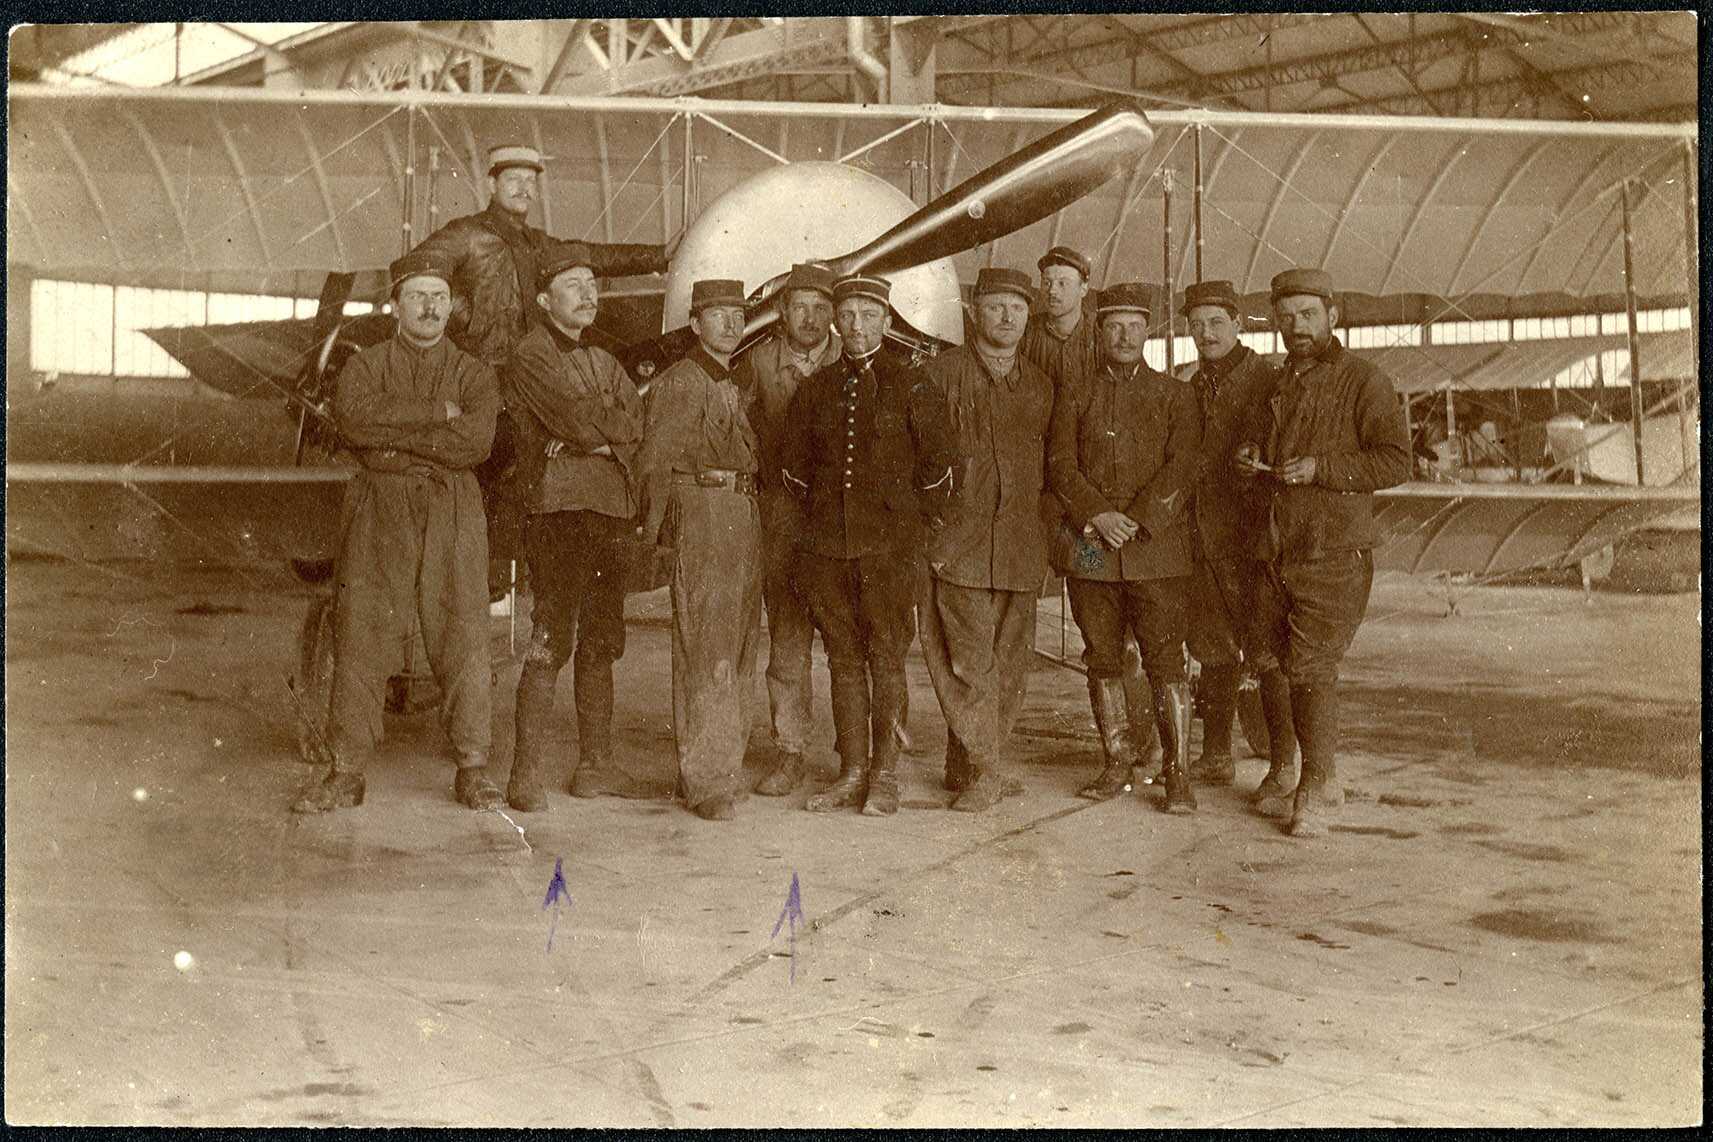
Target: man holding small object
x=1316, y=448
x=1122, y=460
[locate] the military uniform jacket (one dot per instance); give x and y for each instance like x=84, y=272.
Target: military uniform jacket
x=1126, y=444
x=1225, y=391
x=693, y=421
x=995, y=538
x=1341, y=410
x=1064, y=359
x=767, y=378
x=493, y=287
x=560, y=389
x=390, y=405
x=869, y=447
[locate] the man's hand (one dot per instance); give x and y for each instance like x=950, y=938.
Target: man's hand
x=453, y=412
x=555, y=447
x=1247, y=460
x=1298, y=470
x=652, y=517
x=1115, y=528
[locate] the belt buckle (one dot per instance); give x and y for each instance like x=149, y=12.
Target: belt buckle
x=710, y=480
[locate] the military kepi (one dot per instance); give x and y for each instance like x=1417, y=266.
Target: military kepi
x=1317, y=283
x=420, y=263
x=1064, y=256
x=863, y=285
x=513, y=155
x=810, y=275
x=998, y=279
x=561, y=256
x=715, y=291
x=1218, y=293
x=1125, y=297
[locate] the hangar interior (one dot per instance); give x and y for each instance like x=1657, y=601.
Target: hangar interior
x=1505, y=929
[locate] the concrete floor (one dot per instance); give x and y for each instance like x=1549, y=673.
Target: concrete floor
x=1504, y=929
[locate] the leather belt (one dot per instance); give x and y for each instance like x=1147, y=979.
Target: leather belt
x=743, y=482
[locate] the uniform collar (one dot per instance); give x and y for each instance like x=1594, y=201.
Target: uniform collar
x=500, y=216
x=1329, y=355
x=1010, y=377
x=706, y=362
x=1222, y=368
x=420, y=351
x=565, y=342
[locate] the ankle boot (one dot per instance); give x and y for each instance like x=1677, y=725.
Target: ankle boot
x=335, y=790
x=1106, y=695
x=1217, y=696
x=1280, y=781
x=596, y=775
x=526, y=787
x=784, y=778
x=1139, y=709
x=1314, y=709
x=1172, y=713
x=472, y=787
x=851, y=728
x=881, y=799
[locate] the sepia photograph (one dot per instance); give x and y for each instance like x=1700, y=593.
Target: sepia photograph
x=1120, y=570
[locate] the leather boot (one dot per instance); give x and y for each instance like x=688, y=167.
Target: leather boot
x=1314, y=709
x=526, y=787
x=1106, y=695
x=1281, y=779
x=851, y=728
x=335, y=790
x=1139, y=705
x=881, y=800
x=1217, y=696
x=1172, y=713
x=959, y=772
x=596, y=775
x=473, y=788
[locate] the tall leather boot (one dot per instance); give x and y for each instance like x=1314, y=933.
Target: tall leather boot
x=596, y=775
x=1139, y=706
x=1281, y=777
x=881, y=799
x=851, y=727
x=526, y=788
x=1314, y=709
x=1172, y=712
x=1106, y=695
x=1218, y=697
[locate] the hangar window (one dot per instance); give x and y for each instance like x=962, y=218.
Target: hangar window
x=97, y=330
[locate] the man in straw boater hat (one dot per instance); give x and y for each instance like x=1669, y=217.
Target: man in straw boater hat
x=769, y=377
x=1325, y=438
x=1228, y=381
x=986, y=567
x=868, y=446
x=579, y=422
x=698, y=462
x=1122, y=460
x=418, y=413
x=494, y=255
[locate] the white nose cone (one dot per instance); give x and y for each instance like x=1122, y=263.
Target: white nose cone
x=801, y=212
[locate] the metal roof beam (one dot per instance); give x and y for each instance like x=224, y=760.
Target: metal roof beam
x=1597, y=77
x=792, y=43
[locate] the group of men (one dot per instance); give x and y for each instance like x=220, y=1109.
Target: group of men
x=867, y=494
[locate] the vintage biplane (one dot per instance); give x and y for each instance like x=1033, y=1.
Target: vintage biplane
x=1419, y=219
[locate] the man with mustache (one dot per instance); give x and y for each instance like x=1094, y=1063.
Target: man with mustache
x=1122, y=459
x=1064, y=342
x=1229, y=380
x=769, y=377
x=868, y=447
x=494, y=255
x=418, y=414
x=579, y=422
x=698, y=462
x=987, y=566
x=1325, y=438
